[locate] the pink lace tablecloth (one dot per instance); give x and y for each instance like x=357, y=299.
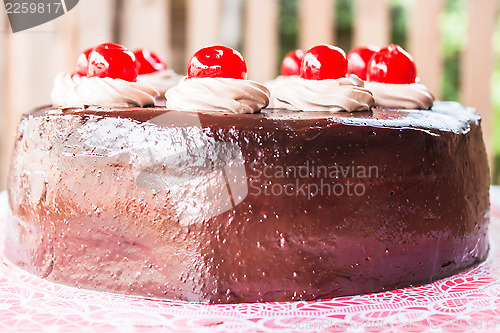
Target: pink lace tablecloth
x=462, y=303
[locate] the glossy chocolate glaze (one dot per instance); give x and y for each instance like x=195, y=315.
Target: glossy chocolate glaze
x=97, y=203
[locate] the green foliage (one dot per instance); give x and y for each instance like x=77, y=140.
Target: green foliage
x=399, y=10
x=453, y=27
x=288, y=26
x=344, y=16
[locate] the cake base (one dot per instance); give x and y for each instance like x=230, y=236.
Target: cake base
x=220, y=208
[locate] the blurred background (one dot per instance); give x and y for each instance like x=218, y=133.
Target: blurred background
x=456, y=44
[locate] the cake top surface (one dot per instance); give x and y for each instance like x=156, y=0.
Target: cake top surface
x=444, y=116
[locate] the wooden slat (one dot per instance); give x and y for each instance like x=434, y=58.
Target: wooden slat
x=424, y=42
x=478, y=63
x=203, y=24
x=316, y=22
x=4, y=141
x=232, y=23
x=261, y=38
x=95, y=22
x=67, y=41
x=146, y=23
x=90, y=23
x=28, y=74
x=371, y=22
x=31, y=65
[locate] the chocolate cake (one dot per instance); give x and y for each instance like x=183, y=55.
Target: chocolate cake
x=219, y=207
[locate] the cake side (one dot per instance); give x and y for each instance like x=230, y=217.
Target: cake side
x=108, y=201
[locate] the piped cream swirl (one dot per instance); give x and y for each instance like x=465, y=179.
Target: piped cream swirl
x=217, y=94
x=274, y=85
x=344, y=94
x=76, y=90
x=160, y=81
x=401, y=96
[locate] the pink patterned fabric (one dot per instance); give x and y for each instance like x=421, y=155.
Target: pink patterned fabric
x=464, y=302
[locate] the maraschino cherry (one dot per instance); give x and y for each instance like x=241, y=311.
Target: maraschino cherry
x=323, y=62
x=148, y=61
x=291, y=63
x=392, y=64
x=114, y=61
x=358, y=58
x=217, y=61
x=82, y=63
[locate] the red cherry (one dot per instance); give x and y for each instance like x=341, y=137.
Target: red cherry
x=291, y=63
x=392, y=64
x=323, y=62
x=358, y=58
x=217, y=61
x=83, y=62
x=114, y=61
x=148, y=61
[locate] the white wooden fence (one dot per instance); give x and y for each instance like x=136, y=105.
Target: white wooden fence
x=29, y=60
